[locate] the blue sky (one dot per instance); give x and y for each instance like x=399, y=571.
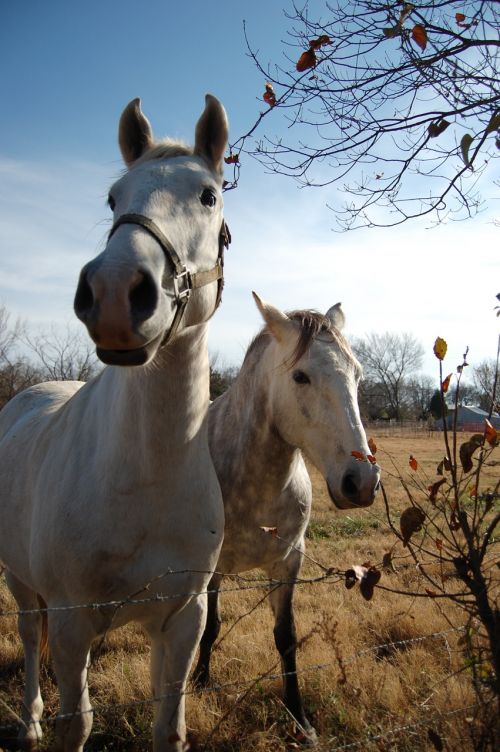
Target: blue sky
x=68, y=68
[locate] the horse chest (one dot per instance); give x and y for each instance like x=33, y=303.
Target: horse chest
x=111, y=534
x=246, y=545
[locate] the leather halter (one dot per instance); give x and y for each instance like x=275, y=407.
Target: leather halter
x=184, y=281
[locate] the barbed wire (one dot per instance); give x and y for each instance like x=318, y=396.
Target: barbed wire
x=242, y=683
x=259, y=583
x=407, y=727
x=328, y=576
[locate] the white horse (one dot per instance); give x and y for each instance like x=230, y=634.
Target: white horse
x=296, y=392
x=108, y=487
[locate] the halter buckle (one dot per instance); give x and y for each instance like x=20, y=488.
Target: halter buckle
x=182, y=278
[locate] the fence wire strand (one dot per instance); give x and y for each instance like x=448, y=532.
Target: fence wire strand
x=331, y=577
x=400, y=729
x=328, y=576
x=243, y=683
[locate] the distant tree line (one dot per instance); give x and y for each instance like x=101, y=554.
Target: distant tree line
x=28, y=357
x=221, y=376
x=393, y=387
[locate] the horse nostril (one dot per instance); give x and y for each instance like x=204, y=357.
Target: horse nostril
x=350, y=487
x=143, y=297
x=84, y=297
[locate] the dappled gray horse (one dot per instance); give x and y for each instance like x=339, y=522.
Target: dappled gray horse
x=108, y=491
x=296, y=391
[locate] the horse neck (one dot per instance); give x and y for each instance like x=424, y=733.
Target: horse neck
x=160, y=410
x=244, y=439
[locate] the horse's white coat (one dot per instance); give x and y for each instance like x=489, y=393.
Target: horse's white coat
x=258, y=430
x=107, y=486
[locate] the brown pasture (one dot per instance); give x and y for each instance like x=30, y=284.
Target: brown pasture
x=375, y=674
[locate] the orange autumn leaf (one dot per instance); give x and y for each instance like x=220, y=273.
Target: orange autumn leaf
x=371, y=459
x=358, y=455
x=269, y=96
x=459, y=17
x=372, y=446
x=419, y=36
x=413, y=462
x=490, y=433
x=232, y=159
x=306, y=60
x=440, y=348
x=446, y=383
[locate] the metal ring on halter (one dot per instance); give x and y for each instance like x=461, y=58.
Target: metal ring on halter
x=183, y=280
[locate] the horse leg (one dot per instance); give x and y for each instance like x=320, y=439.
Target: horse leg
x=30, y=631
x=70, y=636
x=174, y=644
x=285, y=638
x=201, y=674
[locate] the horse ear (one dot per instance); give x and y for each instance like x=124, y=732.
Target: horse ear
x=336, y=316
x=277, y=322
x=212, y=132
x=135, y=135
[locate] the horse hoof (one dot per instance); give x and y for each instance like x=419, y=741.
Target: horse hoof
x=306, y=735
x=26, y=744
x=31, y=740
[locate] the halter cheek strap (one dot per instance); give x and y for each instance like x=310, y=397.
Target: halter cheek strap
x=183, y=280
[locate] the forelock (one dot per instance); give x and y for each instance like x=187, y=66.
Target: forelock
x=165, y=149
x=312, y=324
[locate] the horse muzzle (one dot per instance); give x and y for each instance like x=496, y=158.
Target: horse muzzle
x=357, y=488
x=121, y=313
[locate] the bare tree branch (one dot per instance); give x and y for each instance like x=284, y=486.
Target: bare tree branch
x=398, y=105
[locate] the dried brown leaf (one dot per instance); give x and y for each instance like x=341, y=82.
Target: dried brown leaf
x=306, y=60
x=410, y=522
x=435, y=129
x=388, y=563
x=270, y=530
x=435, y=488
x=467, y=450
x=367, y=576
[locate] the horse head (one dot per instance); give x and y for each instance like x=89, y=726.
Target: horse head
x=313, y=387
x=161, y=269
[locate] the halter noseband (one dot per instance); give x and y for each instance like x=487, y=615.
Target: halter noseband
x=183, y=280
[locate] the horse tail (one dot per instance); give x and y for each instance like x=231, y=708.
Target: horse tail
x=44, y=639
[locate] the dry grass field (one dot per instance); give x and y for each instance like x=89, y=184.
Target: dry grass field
x=384, y=674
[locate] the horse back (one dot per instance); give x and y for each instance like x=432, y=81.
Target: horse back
x=33, y=405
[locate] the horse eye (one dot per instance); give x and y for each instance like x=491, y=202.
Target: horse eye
x=300, y=377
x=111, y=202
x=208, y=198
